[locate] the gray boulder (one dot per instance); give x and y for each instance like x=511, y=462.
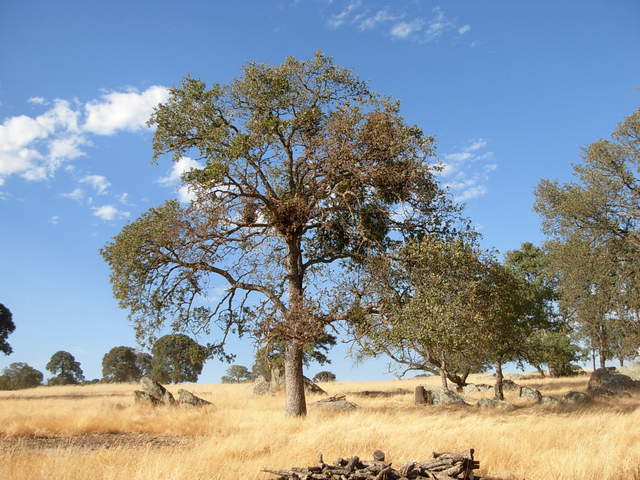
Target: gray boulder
x=336, y=402
x=550, y=402
x=157, y=391
x=310, y=387
x=446, y=397
x=576, y=398
x=530, y=394
x=604, y=382
x=494, y=403
x=187, y=398
x=261, y=386
x=510, y=385
x=143, y=398
x=477, y=388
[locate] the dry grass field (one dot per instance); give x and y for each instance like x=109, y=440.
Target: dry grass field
x=96, y=432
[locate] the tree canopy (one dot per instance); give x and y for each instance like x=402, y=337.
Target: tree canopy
x=237, y=374
x=6, y=327
x=177, y=358
x=20, y=375
x=304, y=172
x=594, y=229
x=65, y=368
x=120, y=364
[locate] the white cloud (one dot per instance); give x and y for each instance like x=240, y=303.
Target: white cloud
x=123, y=198
x=172, y=179
x=109, y=213
x=406, y=29
x=369, y=22
x=464, y=29
x=122, y=111
x=36, y=147
x=337, y=20
x=465, y=173
x=182, y=166
x=54, y=220
x=76, y=194
x=37, y=101
x=99, y=183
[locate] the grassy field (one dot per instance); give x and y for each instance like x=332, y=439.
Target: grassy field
x=96, y=432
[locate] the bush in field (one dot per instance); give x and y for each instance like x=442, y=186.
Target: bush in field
x=65, y=368
x=20, y=375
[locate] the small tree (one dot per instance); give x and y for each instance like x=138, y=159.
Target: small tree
x=305, y=170
x=6, y=327
x=177, y=358
x=237, y=374
x=65, y=368
x=120, y=364
x=324, y=376
x=20, y=375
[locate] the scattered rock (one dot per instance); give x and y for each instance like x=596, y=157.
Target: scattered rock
x=477, y=388
x=494, y=403
x=143, y=398
x=310, y=387
x=510, y=385
x=380, y=393
x=189, y=399
x=576, y=398
x=530, y=394
x=157, y=391
x=550, y=401
x=261, y=386
x=610, y=381
x=336, y=402
x=446, y=397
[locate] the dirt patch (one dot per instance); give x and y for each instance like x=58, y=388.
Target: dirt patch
x=94, y=441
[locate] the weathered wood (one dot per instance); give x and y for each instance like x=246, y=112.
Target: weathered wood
x=419, y=395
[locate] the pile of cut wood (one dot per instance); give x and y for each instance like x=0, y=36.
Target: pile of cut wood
x=444, y=466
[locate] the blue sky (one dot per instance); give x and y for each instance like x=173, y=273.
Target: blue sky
x=511, y=90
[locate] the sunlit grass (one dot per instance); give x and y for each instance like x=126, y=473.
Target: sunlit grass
x=243, y=433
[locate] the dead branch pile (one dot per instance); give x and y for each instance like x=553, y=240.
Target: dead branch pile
x=444, y=466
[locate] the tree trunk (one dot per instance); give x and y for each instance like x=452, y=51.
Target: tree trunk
x=295, y=405
x=498, y=387
x=602, y=352
x=540, y=370
x=621, y=361
x=443, y=375
x=593, y=358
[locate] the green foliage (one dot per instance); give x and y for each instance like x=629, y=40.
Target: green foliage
x=20, y=375
x=143, y=362
x=65, y=368
x=594, y=229
x=177, y=358
x=6, y=327
x=324, y=376
x=237, y=374
x=120, y=364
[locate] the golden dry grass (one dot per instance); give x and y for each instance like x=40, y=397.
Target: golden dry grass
x=244, y=433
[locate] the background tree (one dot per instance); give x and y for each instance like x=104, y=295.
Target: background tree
x=594, y=229
x=324, y=376
x=177, y=358
x=120, y=364
x=65, y=368
x=304, y=171
x=20, y=375
x=143, y=362
x=6, y=327
x=237, y=374
x=549, y=343
x=427, y=308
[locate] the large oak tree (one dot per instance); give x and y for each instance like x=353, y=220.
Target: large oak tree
x=305, y=171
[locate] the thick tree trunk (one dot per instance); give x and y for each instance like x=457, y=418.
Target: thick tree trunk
x=621, y=361
x=602, y=353
x=295, y=405
x=540, y=370
x=498, y=387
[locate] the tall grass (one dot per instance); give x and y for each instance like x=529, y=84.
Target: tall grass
x=242, y=434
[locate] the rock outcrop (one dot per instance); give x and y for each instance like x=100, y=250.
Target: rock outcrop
x=336, y=402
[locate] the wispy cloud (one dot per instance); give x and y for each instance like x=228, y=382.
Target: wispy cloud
x=99, y=183
x=54, y=220
x=465, y=173
x=109, y=213
x=401, y=23
x=76, y=194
